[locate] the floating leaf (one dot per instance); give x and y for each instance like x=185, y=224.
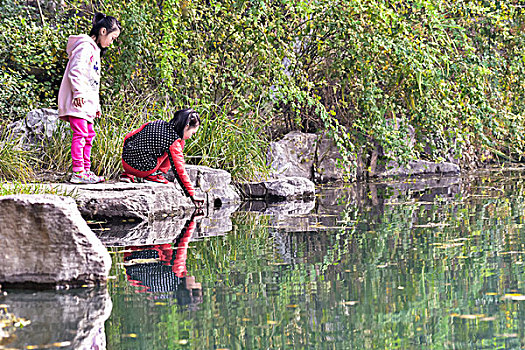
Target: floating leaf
x=514, y=296
x=292, y=306
x=141, y=261
x=512, y=252
x=432, y=224
x=272, y=322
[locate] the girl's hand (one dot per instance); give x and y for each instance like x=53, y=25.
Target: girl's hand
x=78, y=102
x=198, y=202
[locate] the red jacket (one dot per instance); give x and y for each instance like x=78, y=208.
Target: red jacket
x=143, y=147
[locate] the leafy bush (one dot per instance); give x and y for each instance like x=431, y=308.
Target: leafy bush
x=366, y=71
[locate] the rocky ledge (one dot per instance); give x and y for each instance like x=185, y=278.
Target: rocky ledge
x=149, y=201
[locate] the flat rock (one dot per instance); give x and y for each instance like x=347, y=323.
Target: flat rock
x=140, y=201
x=148, y=201
x=285, y=188
x=46, y=241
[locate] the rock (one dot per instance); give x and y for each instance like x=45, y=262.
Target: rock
x=147, y=201
x=278, y=189
x=45, y=241
x=38, y=126
x=60, y=320
x=293, y=155
x=290, y=187
x=215, y=184
x=140, y=201
x=328, y=166
x=316, y=157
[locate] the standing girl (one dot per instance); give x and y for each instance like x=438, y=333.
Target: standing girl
x=150, y=150
x=78, y=97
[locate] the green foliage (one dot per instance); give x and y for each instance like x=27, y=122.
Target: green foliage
x=15, y=161
x=368, y=72
x=9, y=188
x=32, y=55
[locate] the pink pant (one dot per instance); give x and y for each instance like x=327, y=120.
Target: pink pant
x=83, y=135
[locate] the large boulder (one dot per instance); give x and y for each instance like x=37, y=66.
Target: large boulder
x=317, y=158
x=46, y=241
x=59, y=320
x=215, y=185
x=37, y=126
x=293, y=155
x=328, y=166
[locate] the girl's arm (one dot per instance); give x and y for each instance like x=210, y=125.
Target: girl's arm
x=78, y=74
x=179, y=168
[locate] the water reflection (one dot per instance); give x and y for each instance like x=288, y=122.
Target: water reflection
x=161, y=269
x=433, y=264
x=58, y=320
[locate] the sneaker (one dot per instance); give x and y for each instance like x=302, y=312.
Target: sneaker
x=124, y=177
x=156, y=177
x=95, y=177
x=82, y=177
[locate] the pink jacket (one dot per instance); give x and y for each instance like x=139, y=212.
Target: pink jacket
x=81, y=79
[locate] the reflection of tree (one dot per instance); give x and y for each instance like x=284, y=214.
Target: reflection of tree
x=399, y=277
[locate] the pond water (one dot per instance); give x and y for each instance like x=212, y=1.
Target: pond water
x=370, y=266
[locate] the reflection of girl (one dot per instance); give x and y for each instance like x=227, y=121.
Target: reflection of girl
x=169, y=272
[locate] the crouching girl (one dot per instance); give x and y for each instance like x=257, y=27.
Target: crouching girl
x=150, y=150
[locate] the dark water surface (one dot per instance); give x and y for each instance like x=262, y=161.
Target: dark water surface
x=435, y=264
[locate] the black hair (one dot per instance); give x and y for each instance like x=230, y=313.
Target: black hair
x=184, y=117
x=102, y=21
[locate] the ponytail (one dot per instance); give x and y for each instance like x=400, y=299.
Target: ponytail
x=185, y=117
x=100, y=21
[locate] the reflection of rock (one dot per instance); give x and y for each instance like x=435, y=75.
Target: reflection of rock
x=166, y=230
x=290, y=216
x=418, y=167
x=72, y=319
x=377, y=194
x=216, y=223
x=144, y=233
x=45, y=240
x=286, y=188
